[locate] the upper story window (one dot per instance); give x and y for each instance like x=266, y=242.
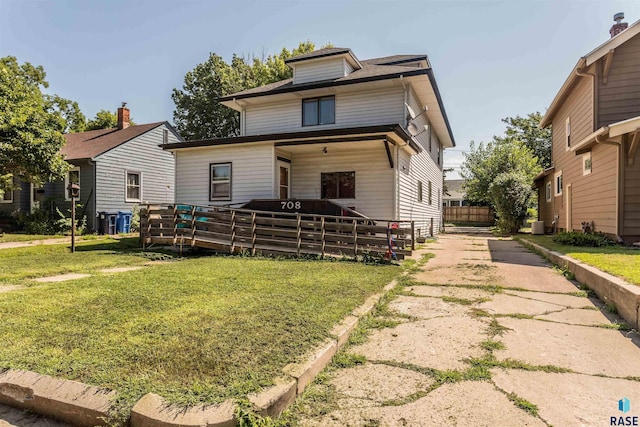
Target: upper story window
x=567, y=126
x=319, y=111
x=419, y=191
x=165, y=136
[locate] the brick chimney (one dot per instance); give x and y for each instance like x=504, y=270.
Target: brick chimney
x=619, y=26
x=124, y=120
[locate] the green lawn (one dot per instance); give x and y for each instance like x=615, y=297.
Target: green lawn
x=20, y=264
x=616, y=260
x=196, y=330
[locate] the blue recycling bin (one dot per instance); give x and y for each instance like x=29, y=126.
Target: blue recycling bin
x=123, y=222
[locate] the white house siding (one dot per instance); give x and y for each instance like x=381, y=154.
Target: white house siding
x=374, y=178
x=143, y=155
x=314, y=71
x=358, y=108
x=348, y=69
x=252, y=167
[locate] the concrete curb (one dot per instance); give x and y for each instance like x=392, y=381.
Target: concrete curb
x=68, y=401
x=83, y=405
x=625, y=296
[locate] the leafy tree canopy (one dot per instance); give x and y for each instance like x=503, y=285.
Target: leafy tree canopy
x=528, y=131
x=31, y=126
x=71, y=118
x=198, y=114
x=104, y=119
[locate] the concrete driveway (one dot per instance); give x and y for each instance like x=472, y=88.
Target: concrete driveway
x=484, y=334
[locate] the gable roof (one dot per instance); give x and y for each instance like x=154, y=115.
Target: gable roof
x=87, y=145
x=320, y=53
x=585, y=61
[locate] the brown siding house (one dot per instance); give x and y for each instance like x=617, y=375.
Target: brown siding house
x=595, y=119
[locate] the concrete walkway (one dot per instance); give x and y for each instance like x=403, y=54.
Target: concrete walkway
x=484, y=334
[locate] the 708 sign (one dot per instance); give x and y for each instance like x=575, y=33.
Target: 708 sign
x=288, y=205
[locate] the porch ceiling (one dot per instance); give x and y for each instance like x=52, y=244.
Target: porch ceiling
x=333, y=146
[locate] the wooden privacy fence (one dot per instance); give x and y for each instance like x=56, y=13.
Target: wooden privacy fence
x=238, y=230
x=471, y=214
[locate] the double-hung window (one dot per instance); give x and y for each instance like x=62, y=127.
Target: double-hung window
x=133, y=187
x=338, y=185
x=319, y=111
x=220, y=174
x=7, y=197
x=419, y=191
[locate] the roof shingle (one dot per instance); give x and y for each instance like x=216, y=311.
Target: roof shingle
x=87, y=145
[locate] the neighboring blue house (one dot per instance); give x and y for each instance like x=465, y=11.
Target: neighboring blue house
x=116, y=168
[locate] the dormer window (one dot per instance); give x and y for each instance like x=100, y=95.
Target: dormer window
x=319, y=111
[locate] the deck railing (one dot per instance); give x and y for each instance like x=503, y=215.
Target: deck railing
x=244, y=230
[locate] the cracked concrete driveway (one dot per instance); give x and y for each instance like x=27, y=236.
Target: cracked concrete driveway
x=485, y=333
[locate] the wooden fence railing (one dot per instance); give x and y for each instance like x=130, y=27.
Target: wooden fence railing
x=237, y=230
x=470, y=214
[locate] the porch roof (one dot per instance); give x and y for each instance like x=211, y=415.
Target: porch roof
x=392, y=132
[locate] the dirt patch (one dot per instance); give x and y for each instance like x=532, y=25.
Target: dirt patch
x=570, y=399
x=62, y=277
x=8, y=288
x=119, y=269
x=580, y=348
x=439, y=343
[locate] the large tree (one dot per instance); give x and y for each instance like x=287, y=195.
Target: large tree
x=527, y=131
x=30, y=130
x=500, y=173
x=199, y=115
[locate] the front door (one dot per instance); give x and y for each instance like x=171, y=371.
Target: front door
x=284, y=179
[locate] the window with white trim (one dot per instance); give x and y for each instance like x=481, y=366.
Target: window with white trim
x=548, y=191
x=419, y=191
x=586, y=163
x=7, y=197
x=558, y=184
x=220, y=181
x=133, y=188
x=72, y=176
x=567, y=133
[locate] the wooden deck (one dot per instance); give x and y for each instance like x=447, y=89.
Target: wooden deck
x=274, y=233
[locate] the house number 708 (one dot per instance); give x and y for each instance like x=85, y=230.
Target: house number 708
x=290, y=205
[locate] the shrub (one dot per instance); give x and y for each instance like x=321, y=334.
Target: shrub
x=574, y=238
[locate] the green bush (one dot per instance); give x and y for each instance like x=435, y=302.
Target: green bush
x=574, y=238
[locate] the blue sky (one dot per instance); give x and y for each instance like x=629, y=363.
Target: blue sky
x=491, y=59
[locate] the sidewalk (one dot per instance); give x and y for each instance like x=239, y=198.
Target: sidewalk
x=485, y=334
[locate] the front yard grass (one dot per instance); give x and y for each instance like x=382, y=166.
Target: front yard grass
x=619, y=261
x=17, y=265
x=198, y=330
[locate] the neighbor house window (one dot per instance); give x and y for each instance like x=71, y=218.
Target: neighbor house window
x=438, y=153
x=7, y=197
x=567, y=126
x=220, y=181
x=72, y=176
x=165, y=136
x=548, y=192
x=558, y=180
x=586, y=163
x=419, y=191
x=430, y=193
x=133, y=187
x=319, y=111
x=338, y=185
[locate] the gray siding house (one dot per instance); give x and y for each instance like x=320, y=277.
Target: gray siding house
x=116, y=168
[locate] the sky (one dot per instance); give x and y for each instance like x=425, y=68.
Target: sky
x=491, y=59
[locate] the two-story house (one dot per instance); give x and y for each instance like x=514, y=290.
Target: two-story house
x=367, y=135
x=595, y=119
x=116, y=169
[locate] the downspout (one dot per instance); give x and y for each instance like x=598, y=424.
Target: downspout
x=396, y=182
x=95, y=194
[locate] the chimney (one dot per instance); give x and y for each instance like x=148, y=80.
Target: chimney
x=619, y=26
x=123, y=116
